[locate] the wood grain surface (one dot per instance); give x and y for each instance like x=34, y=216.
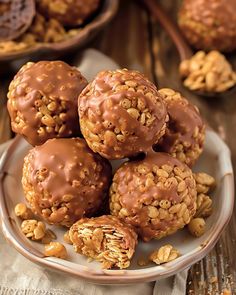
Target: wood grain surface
x=135, y=41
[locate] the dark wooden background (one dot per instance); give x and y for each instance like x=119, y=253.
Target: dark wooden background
x=135, y=41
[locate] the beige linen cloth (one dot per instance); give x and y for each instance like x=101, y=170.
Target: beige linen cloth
x=19, y=276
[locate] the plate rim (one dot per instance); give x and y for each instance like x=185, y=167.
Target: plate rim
x=113, y=276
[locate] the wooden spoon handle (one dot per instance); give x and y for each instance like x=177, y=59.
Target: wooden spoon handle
x=160, y=15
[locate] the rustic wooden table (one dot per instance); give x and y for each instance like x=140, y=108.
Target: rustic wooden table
x=135, y=41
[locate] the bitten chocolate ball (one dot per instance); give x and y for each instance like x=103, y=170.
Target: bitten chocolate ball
x=63, y=180
x=156, y=195
x=67, y=12
x=121, y=114
x=107, y=239
x=43, y=101
x=209, y=24
x=185, y=132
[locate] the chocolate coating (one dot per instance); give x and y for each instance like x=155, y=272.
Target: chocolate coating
x=63, y=180
x=121, y=114
x=185, y=132
x=67, y=12
x=106, y=239
x=156, y=195
x=15, y=18
x=42, y=101
x=209, y=24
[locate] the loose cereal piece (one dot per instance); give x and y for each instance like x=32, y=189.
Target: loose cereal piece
x=55, y=249
x=129, y=115
x=33, y=229
x=204, y=182
x=204, y=206
x=22, y=211
x=156, y=195
x=197, y=227
x=207, y=72
x=106, y=239
x=51, y=88
x=63, y=180
x=185, y=132
x=205, y=179
x=164, y=254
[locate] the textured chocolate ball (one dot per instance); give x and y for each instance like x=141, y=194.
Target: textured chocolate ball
x=111, y=241
x=156, y=195
x=43, y=101
x=185, y=132
x=67, y=12
x=209, y=24
x=63, y=180
x=121, y=114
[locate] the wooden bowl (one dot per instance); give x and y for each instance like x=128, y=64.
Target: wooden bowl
x=53, y=50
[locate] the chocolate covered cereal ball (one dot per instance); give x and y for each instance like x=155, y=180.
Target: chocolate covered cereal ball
x=156, y=195
x=185, y=132
x=63, y=180
x=67, y=12
x=42, y=101
x=121, y=114
x=106, y=239
x=209, y=24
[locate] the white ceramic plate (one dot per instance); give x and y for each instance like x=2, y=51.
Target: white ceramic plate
x=215, y=160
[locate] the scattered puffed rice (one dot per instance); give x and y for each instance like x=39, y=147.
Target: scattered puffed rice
x=55, y=249
x=22, y=211
x=164, y=254
x=209, y=72
x=33, y=229
x=204, y=206
x=197, y=227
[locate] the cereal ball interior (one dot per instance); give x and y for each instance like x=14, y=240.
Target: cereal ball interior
x=121, y=114
x=67, y=12
x=106, y=239
x=42, y=101
x=63, y=180
x=185, y=132
x=156, y=195
x=209, y=24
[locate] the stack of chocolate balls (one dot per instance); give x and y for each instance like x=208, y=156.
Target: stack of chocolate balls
x=121, y=115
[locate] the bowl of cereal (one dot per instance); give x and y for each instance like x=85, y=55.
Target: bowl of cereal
x=49, y=33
